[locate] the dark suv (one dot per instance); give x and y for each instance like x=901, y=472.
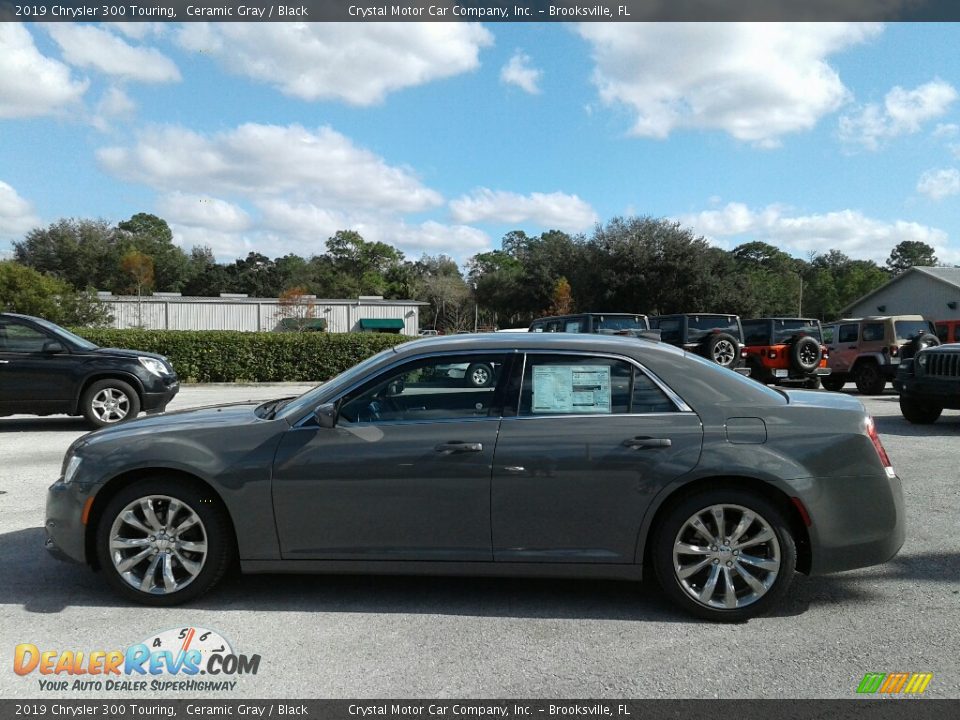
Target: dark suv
x=716, y=337
x=604, y=323
x=929, y=382
x=785, y=351
x=45, y=370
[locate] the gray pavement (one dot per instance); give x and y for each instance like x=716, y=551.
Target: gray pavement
x=441, y=637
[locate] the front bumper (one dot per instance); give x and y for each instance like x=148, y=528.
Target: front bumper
x=65, y=531
x=157, y=401
x=936, y=390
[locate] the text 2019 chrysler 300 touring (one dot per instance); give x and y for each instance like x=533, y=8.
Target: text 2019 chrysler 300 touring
x=588, y=456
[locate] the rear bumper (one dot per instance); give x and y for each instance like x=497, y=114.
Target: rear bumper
x=837, y=544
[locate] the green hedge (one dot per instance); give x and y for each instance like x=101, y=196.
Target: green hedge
x=228, y=356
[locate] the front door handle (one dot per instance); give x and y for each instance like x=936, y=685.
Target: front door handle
x=457, y=446
x=4, y=362
x=640, y=443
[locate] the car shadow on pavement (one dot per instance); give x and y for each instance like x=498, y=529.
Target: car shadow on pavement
x=41, y=584
x=62, y=423
x=946, y=426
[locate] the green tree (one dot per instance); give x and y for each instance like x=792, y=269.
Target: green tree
x=82, y=253
x=152, y=236
x=908, y=254
x=24, y=290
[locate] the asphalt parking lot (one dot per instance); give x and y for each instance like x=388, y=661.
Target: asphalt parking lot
x=428, y=637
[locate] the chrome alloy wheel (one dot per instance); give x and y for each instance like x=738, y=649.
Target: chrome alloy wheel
x=158, y=544
x=726, y=556
x=110, y=405
x=724, y=352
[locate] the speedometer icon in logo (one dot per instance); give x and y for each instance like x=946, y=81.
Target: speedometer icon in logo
x=179, y=641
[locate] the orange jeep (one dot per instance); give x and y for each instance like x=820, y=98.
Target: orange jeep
x=948, y=331
x=785, y=351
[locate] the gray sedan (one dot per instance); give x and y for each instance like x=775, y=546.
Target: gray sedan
x=586, y=456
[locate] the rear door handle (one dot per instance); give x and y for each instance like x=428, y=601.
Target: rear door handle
x=457, y=446
x=640, y=443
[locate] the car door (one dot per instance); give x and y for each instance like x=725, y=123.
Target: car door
x=845, y=347
x=403, y=475
x=33, y=379
x=593, y=440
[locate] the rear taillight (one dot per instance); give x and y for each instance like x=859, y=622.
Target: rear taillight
x=772, y=354
x=826, y=354
x=878, y=446
x=744, y=354
x=894, y=351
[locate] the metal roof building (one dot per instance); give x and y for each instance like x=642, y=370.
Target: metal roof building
x=933, y=292
x=172, y=311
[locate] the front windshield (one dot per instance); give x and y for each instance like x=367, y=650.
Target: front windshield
x=66, y=334
x=311, y=398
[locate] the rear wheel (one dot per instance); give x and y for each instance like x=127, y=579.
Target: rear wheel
x=812, y=383
x=868, y=378
x=724, y=554
x=918, y=411
x=479, y=375
x=164, y=541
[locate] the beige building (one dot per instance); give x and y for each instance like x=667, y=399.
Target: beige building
x=933, y=292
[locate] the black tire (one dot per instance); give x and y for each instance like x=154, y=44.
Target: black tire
x=869, y=379
x=812, y=383
x=667, y=534
x=833, y=383
x=214, y=529
x=722, y=348
x=918, y=343
x=479, y=375
x=919, y=412
x=805, y=354
x=108, y=402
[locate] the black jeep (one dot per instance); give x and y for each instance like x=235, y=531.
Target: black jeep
x=716, y=337
x=929, y=382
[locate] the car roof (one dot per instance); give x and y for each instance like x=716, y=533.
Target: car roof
x=696, y=314
x=764, y=319
x=605, y=314
x=581, y=342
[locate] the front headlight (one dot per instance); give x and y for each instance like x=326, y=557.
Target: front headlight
x=71, y=468
x=154, y=366
x=921, y=361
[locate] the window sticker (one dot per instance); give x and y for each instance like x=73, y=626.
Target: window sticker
x=571, y=389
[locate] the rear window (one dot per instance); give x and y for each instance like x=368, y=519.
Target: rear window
x=783, y=330
x=619, y=322
x=698, y=326
x=909, y=329
x=669, y=329
x=756, y=332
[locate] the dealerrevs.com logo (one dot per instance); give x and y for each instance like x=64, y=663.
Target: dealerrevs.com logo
x=188, y=658
x=894, y=683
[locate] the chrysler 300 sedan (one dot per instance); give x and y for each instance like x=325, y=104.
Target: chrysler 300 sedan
x=587, y=456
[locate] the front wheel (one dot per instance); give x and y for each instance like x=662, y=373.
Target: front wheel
x=919, y=412
x=110, y=401
x=812, y=383
x=833, y=383
x=868, y=379
x=725, y=555
x=163, y=542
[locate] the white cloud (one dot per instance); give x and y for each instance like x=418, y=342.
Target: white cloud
x=32, y=84
x=359, y=63
x=519, y=72
x=203, y=211
x=16, y=214
x=904, y=112
x=938, y=184
x=115, y=104
x=138, y=30
x=849, y=231
x=92, y=47
x=320, y=166
x=755, y=81
x=550, y=210
x=944, y=130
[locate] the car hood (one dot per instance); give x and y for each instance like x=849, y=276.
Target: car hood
x=133, y=354
x=181, y=421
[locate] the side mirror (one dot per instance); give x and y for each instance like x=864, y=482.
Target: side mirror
x=52, y=346
x=326, y=415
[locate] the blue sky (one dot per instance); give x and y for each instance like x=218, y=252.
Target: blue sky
x=440, y=138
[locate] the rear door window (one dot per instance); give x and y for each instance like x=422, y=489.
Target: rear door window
x=848, y=333
x=872, y=332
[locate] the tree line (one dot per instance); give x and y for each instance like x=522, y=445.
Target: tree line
x=636, y=264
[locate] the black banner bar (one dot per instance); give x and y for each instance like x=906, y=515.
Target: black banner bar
x=119, y=709
x=474, y=10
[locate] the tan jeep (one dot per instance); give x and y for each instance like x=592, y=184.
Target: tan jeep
x=868, y=350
